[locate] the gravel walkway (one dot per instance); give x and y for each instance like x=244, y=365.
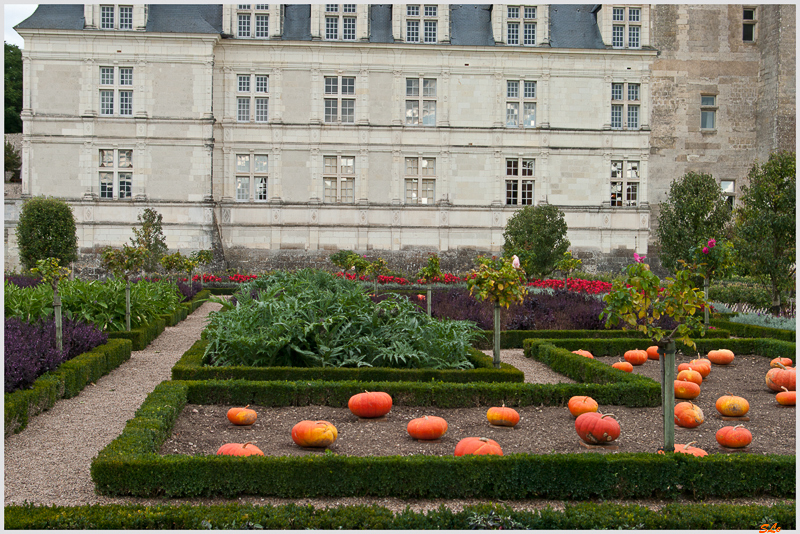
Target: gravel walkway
x=48, y=462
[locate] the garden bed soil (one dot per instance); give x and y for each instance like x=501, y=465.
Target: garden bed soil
x=202, y=429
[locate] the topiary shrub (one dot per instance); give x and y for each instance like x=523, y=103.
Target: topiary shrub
x=46, y=229
x=538, y=236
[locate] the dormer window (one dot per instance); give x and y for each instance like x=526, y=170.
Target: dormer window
x=626, y=31
x=521, y=25
x=252, y=21
x=422, y=25
x=340, y=22
x=116, y=17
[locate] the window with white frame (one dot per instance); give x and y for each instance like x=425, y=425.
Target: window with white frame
x=625, y=106
x=708, y=112
x=420, y=181
x=729, y=190
x=252, y=173
x=424, y=100
x=520, y=98
x=115, y=17
x=624, y=183
x=749, y=24
x=252, y=21
x=340, y=22
x=626, y=21
x=340, y=102
x=519, y=181
x=422, y=23
x=116, y=91
x=116, y=173
x=521, y=25
x=252, y=97
x=339, y=179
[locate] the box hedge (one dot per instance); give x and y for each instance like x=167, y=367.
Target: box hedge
x=513, y=339
x=749, y=330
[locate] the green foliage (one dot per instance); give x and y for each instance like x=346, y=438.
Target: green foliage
x=740, y=290
x=179, y=263
x=46, y=229
x=767, y=321
x=12, y=88
x=124, y=262
x=714, y=258
x=377, y=268
x=766, y=219
x=346, y=259
x=568, y=264
x=497, y=280
x=695, y=210
x=50, y=271
x=13, y=161
x=642, y=303
x=313, y=319
x=202, y=257
x=746, y=330
x=538, y=236
x=431, y=270
x=150, y=237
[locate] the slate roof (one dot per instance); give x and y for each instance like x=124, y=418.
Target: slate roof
x=296, y=22
x=380, y=23
x=54, y=17
x=574, y=26
x=184, y=18
x=471, y=24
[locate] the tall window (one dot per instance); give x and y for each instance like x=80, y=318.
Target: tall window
x=251, y=169
x=422, y=23
x=519, y=181
x=625, y=104
x=339, y=179
x=425, y=99
x=729, y=190
x=626, y=21
x=420, y=181
x=252, y=95
x=340, y=103
x=116, y=17
x=624, y=183
x=116, y=173
x=252, y=21
x=116, y=91
x=708, y=112
x=749, y=24
x=521, y=25
x=520, y=98
x=340, y=22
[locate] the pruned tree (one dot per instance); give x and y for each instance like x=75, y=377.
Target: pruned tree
x=538, y=236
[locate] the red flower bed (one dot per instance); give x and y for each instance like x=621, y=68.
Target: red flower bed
x=591, y=287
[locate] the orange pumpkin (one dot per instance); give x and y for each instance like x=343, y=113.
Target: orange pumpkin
x=578, y=405
x=732, y=406
x=781, y=376
x=584, y=353
x=237, y=449
x=684, y=367
x=623, y=366
x=370, y=404
x=636, y=356
x=688, y=415
x=702, y=366
x=786, y=397
x=690, y=375
x=593, y=427
x=734, y=437
x=687, y=449
x=720, y=356
x=428, y=427
x=242, y=416
x=652, y=352
x=478, y=446
x=502, y=416
x=786, y=362
x=686, y=390
x=314, y=433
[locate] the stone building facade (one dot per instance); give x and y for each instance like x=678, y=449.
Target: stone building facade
x=277, y=134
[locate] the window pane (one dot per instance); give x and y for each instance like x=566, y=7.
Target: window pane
x=616, y=91
x=125, y=158
x=749, y=14
x=243, y=110
x=412, y=11
x=513, y=12
x=331, y=27
x=106, y=185
x=262, y=84
x=512, y=167
x=512, y=89
x=348, y=85
x=512, y=114
x=107, y=75
x=106, y=158
x=529, y=117
x=616, y=194
x=348, y=8
x=513, y=33
x=348, y=190
x=411, y=190
x=748, y=32
x=261, y=188
x=530, y=90
x=125, y=181
x=708, y=119
x=412, y=87
x=632, y=194
x=126, y=102
x=348, y=165
x=618, y=36
x=526, y=199
x=708, y=100
x=429, y=88
x=529, y=37
x=243, y=163
x=242, y=188
x=262, y=7
x=331, y=85
x=633, y=14
x=633, y=91
x=244, y=83
x=331, y=109
x=727, y=186
x=429, y=113
x=512, y=192
x=633, y=170
x=412, y=31
x=330, y=165
x=262, y=163
x=618, y=13
x=633, y=36
x=330, y=190
x=428, y=166
x=107, y=17
x=430, y=11
x=262, y=26
x=332, y=8
x=412, y=112
x=616, y=116
x=633, y=116
x=244, y=25
x=125, y=18
x=349, y=111
x=530, y=12
x=527, y=167
x=430, y=31
x=428, y=194
x=125, y=76
x=262, y=109
x=349, y=28
x=106, y=102
x=412, y=166
x=616, y=169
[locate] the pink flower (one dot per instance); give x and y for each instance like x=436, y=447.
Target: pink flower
x=637, y=258
x=712, y=242
x=705, y=250
x=515, y=262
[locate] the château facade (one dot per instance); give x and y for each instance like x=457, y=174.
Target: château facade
x=277, y=134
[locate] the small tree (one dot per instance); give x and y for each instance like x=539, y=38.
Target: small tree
x=567, y=264
x=714, y=259
x=694, y=210
x=178, y=263
x=538, y=236
x=124, y=263
x=202, y=257
x=377, y=268
x=52, y=274
x=12, y=162
x=766, y=230
x=151, y=238
x=46, y=229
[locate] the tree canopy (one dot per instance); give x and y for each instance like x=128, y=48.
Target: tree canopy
x=538, y=236
x=13, y=88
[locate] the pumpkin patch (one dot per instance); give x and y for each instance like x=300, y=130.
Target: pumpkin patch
x=781, y=377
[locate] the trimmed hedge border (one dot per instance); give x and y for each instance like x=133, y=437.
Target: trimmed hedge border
x=66, y=381
x=750, y=330
x=584, y=516
x=513, y=339
x=190, y=367
x=130, y=465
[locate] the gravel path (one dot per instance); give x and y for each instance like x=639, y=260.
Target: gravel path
x=48, y=462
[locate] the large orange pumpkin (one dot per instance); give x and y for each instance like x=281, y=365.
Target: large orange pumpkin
x=688, y=415
x=687, y=449
x=428, y=427
x=237, y=449
x=720, y=356
x=702, y=366
x=593, y=427
x=635, y=356
x=579, y=404
x=652, y=352
x=734, y=437
x=478, y=446
x=370, y=404
x=786, y=362
x=686, y=390
x=502, y=416
x=584, y=353
x=684, y=367
x=781, y=376
x=786, y=397
x=314, y=433
x=732, y=406
x=690, y=375
x=623, y=366
x=242, y=416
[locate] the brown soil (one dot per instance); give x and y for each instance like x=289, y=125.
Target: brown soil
x=202, y=429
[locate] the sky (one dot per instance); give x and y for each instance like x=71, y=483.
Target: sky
x=13, y=14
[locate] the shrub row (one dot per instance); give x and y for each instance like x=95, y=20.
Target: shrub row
x=513, y=339
x=749, y=330
x=131, y=465
x=584, y=516
x=64, y=382
x=190, y=367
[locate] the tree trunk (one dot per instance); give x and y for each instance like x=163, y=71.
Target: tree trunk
x=666, y=349
x=776, y=299
x=497, y=335
x=57, y=313
x=428, y=298
x=706, y=283
x=128, y=305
